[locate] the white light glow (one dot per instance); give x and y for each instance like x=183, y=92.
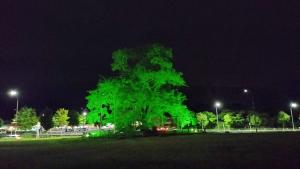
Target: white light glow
x=13, y=93
x=218, y=104
x=294, y=105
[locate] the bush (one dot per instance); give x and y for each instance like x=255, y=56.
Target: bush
x=98, y=134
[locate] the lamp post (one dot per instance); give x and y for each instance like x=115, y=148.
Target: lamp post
x=217, y=105
x=246, y=91
x=15, y=93
x=293, y=105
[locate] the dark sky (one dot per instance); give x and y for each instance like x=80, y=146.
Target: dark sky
x=54, y=52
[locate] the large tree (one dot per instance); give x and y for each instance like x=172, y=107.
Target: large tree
x=144, y=90
x=26, y=118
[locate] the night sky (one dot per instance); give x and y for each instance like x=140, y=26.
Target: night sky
x=54, y=52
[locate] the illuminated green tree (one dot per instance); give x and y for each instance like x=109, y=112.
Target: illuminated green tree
x=206, y=119
x=61, y=117
x=283, y=118
x=26, y=118
x=145, y=89
x=254, y=120
x=227, y=118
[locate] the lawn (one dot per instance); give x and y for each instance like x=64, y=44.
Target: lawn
x=205, y=151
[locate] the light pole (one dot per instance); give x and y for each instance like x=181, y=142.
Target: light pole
x=293, y=105
x=217, y=105
x=246, y=91
x=15, y=93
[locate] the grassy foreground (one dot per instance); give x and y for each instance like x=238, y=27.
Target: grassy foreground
x=207, y=151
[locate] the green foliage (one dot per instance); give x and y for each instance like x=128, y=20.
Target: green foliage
x=206, y=119
x=82, y=119
x=97, y=134
x=238, y=121
x=145, y=89
x=184, y=115
x=254, y=120
x=74, y=118
x=202, y=119
x=46, y=119
x=1, y=122
x=61, y=117
x=232, y=119
x=227, y=118
x=283, y=118
x=26, y=118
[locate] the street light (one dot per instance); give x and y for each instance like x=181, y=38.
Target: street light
x=293, y=105
x=217, y=105
x=246, y=91
x=14, y=93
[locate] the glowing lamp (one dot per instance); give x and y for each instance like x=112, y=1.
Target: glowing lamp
x=13, y=93
x=218, y=104
x=294, y=105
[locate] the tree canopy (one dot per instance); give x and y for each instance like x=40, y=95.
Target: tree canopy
x=254, y=120
x=283, y=118
x=206, y=119
x=144, y=90
x=61, y=117
x=26, y=118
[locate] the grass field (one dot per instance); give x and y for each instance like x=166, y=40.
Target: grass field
x=206, y=151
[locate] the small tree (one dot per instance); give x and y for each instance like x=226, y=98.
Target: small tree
x=26, y=118
x=283, y=118
x=228, y=119
x=206, y=119
x=61, y=117
x=238, y=121
x=203, y=120
x=254, y=120
x=46, y=119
